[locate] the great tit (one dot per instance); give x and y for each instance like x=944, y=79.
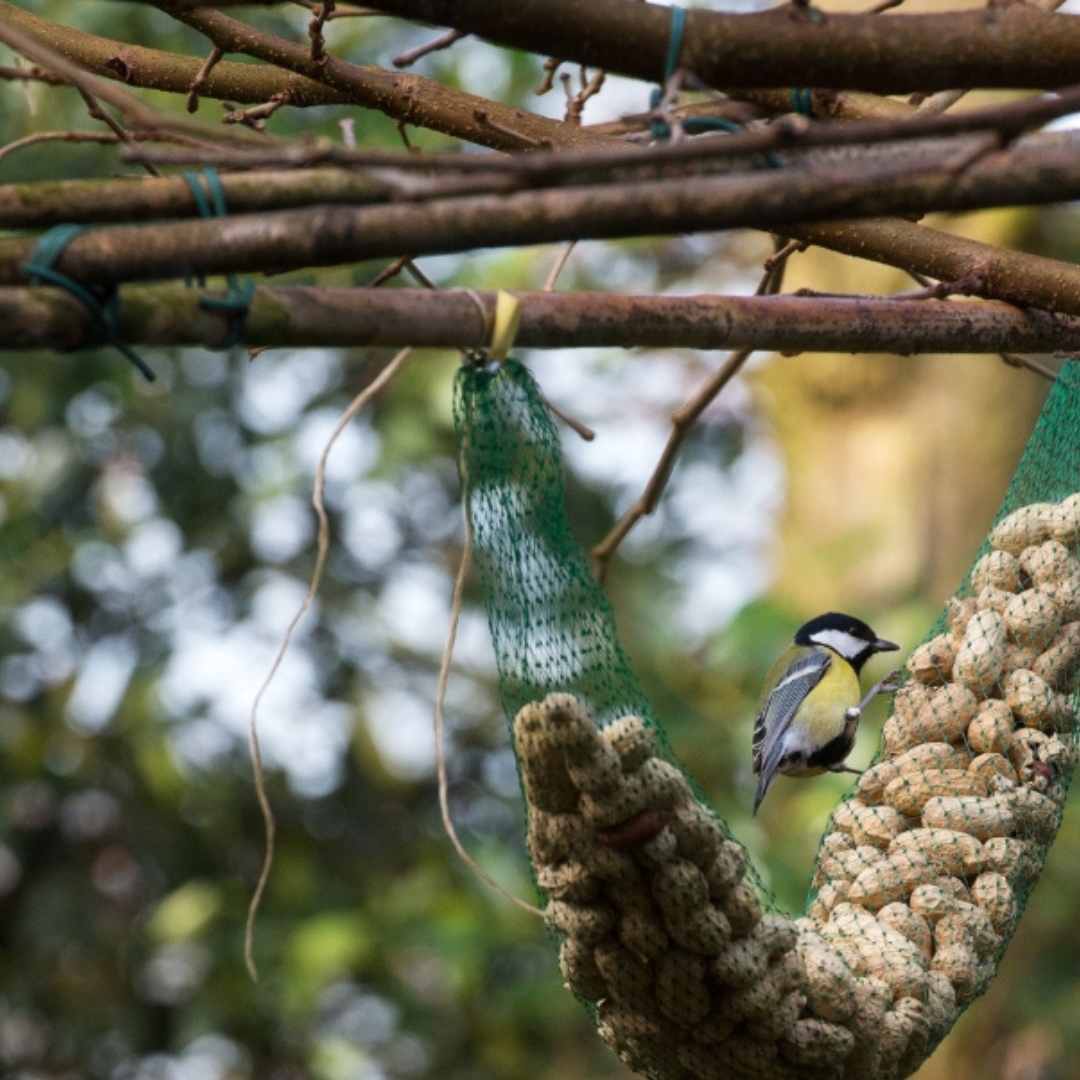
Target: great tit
x=810, y=708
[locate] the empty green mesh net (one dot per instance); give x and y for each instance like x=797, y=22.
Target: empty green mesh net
x=923, y=870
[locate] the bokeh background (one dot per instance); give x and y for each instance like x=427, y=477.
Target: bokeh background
x=156, y=539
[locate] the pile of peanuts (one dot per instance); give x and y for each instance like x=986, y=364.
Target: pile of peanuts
x=919, y=878
x=921, y=875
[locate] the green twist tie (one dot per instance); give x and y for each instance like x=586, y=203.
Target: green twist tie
x=103, y=302
x=660, y=129
x=237, y=300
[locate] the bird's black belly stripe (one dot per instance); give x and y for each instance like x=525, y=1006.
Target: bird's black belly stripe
x=833, y=752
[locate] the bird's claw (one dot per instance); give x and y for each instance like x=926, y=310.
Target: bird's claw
x=888, y=685
x=840, y=766
x=891, y=683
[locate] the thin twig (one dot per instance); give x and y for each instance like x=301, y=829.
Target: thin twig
x=315, y=31
x=93, y=107
x=1018, y=361
x=387, y=272
x=269, y=822
x=58, y=136
x=784, y=252
x=33, y=73
x=682, y=420
x=972, y=285
x=575, y=102
x=481, y=117
x=560, y=265
x=255, y=116
x=575, y=425
x=407, y=59
x=137, y=113
x=315, y=7
x=551, y=65
x=197, y=84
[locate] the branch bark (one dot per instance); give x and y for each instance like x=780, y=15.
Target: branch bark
x=42, y=204
x=156, y=69
x=48, y=318
x=1002, y=45
x=779, y=201
x=410, y=99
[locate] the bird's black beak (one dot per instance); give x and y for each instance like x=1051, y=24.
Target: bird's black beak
x=881, y=645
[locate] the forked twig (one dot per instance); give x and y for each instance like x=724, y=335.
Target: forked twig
x=682, y=420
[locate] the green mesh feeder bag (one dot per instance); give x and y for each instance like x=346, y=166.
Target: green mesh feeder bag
x=924, y=869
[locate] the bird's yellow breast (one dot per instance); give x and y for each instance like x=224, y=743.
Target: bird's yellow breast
x=823, y=712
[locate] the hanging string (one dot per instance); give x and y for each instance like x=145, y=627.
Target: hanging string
x=269, y=821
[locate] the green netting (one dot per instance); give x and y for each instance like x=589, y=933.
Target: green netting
x=550, y=622
x=923, y=870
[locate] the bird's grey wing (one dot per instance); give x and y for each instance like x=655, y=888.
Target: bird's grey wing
x=774, y=717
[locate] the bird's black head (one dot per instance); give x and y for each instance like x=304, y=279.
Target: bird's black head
x=844, y=634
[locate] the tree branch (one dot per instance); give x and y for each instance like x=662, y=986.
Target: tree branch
x=48, y=318
x=39, y=206
x=785, y=137
x=1042, y=170
x=410, y=99
x=1003, y=45
x=155, y=69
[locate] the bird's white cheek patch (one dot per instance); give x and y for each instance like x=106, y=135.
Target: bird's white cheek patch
x=840, y=641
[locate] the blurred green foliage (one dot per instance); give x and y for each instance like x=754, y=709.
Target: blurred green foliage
x=156, y=540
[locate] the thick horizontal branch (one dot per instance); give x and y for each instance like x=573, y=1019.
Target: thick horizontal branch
x=283, y=181
x=41, y=204
x=773, y=199
x=1002, y=45
x=305, y=316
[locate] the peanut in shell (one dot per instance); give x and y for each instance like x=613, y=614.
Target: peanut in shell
x=1036, y=704
x=993, y=893
x=899, y=917
x=1059, y=663
x=950, y=851
x=932, y=755
x=681, y=993
x=990, y=728
x=932, y=662
x=1065, y=521
x=972, y=814
x=1032, y=618
x=829, y=982
x=632, y=740
x=981, y=654
x=1031, y=524
x=998, y=569
x=909, y=793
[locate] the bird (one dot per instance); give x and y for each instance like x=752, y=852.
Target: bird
x=809, y=707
